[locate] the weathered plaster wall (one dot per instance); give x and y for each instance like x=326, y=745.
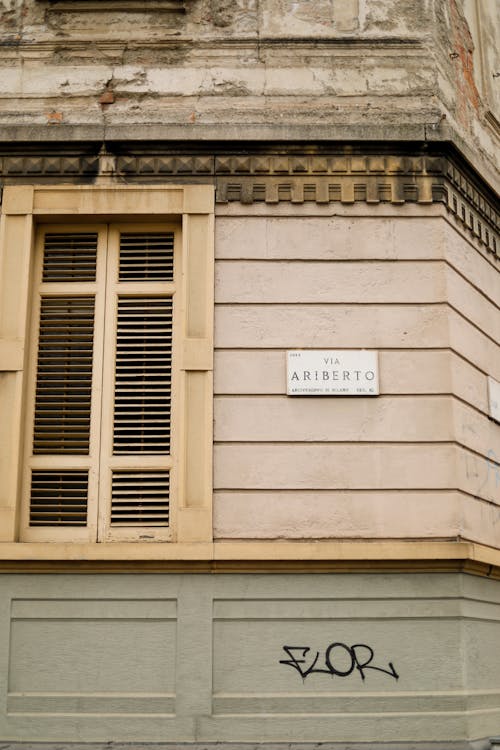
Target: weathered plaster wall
x=420, y=460
x=244, y=69
x=483, y=20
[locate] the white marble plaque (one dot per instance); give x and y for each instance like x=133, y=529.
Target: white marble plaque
x=332, y=373
x=494, y=398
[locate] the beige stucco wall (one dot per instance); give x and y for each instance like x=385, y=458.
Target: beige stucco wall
x=420, y=460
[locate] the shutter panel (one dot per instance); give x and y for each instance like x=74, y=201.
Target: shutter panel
x=143, y=375
x=59, y=498
x=140, y=498
x=64, y=375
x=138, y=379
x=70, y=257
x=99, y=439
x=64, y=430
x=146, y=256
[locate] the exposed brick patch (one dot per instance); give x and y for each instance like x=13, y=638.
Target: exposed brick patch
x=54, y=118
x=107, y=97
x=461, y=52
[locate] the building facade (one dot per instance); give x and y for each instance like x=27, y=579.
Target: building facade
x=196, y=194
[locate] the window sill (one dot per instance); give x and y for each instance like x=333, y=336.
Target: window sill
x=271, y=556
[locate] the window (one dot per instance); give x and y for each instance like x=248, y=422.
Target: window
x=98, y=433
x=115, y=380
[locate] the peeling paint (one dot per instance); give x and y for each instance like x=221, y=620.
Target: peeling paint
x=245, y=63
x=54, y=118
x=462, y=48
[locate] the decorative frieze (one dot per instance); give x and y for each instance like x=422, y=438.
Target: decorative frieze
x=292, y=177
x=325, y=189
x=352, y=178
x=42, y=165
x=159, y=165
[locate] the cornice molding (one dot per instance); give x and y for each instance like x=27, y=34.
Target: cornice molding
x=250, y=566
x=397, y=556
x=482, y=570
x=291, y=177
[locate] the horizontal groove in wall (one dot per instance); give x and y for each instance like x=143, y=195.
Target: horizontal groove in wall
x=333, y=261
x=473, y=285
x=81, y=704
x=228, y=610
x=323, y=490
x=283, y=349
x=470, y=322
x=385, y=443
x=386, y=396
x=339, y=702
x=438, y=303
x=93, y=609
x=468, y=361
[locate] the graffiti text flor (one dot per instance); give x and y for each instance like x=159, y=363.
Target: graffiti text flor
x=339, y=660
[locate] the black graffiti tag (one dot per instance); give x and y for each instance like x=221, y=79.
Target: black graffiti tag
x=359, y=657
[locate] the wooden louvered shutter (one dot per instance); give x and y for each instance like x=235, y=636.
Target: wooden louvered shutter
x=99, y=433
x=66, y=364
x=136, y=459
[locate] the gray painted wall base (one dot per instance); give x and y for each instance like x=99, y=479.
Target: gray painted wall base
x=295, y=661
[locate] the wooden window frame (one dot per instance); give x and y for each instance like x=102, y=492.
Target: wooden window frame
x=191, y=209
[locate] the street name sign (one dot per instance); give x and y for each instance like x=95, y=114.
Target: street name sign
x=332, y=372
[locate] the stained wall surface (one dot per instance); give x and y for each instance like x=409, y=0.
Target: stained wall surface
x=277, y=69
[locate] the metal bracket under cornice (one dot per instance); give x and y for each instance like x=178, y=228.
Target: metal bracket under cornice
x=106, y=173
